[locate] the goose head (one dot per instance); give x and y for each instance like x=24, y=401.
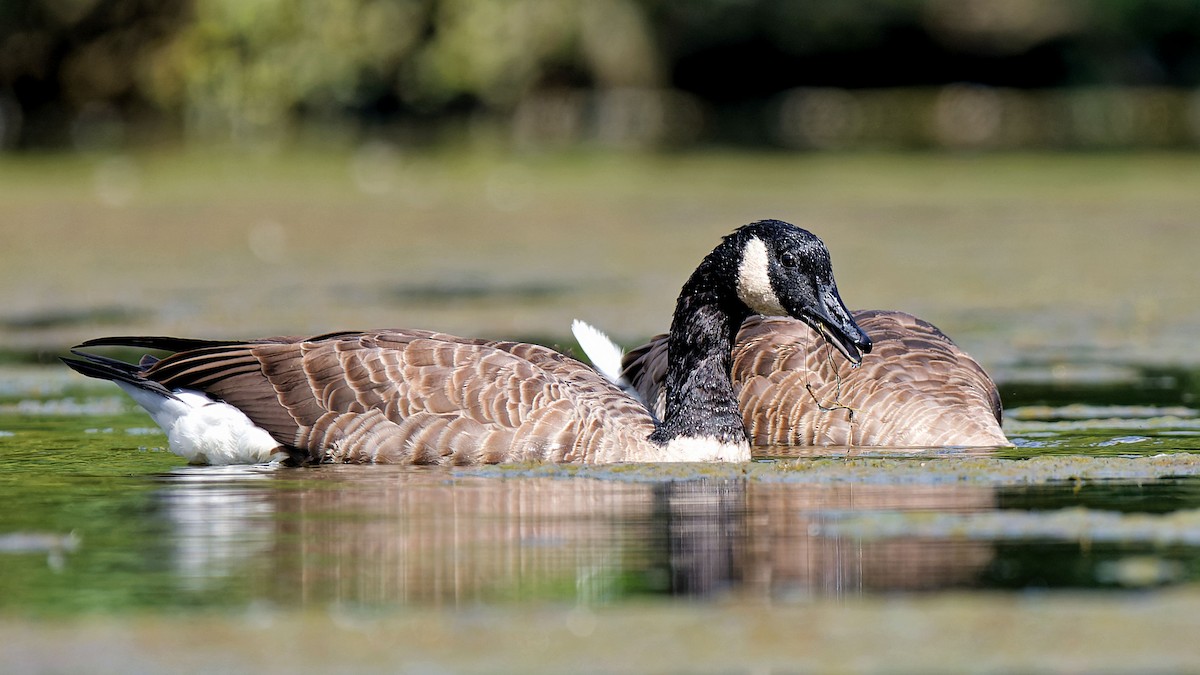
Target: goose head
x=784, y=270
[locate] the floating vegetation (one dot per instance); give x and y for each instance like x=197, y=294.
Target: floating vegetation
x=58, y=318
x=481, y=290
x=1065, y=422
x=67, y=407
x=144, y=431
x=1179, y=528
x=1081, y=411
x=39, y=382
x=1140, y=571
x=878, y=470
x=53, y=546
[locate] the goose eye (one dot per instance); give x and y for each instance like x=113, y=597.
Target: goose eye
x=788, y=259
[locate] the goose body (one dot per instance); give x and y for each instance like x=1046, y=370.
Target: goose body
x=916, y=389
x=414, y=396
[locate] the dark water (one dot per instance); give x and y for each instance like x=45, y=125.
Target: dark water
x=96, y=518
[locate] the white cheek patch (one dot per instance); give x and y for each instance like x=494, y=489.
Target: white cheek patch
x=754, y=281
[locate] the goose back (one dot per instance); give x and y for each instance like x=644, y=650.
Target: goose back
x=915, y=389
x=413, y=396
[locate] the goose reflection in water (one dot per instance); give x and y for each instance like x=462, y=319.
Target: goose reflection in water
x=438, y=537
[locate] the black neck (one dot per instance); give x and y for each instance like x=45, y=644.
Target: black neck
x=700, y=397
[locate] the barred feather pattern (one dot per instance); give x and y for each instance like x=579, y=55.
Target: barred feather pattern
x=418, y=397
x=916, y=389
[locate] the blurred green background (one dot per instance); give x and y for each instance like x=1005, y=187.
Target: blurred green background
x=1022, y=173
x=90, y=74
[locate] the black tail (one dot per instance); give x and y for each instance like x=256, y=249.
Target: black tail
x=167, y=344
x=105, y=368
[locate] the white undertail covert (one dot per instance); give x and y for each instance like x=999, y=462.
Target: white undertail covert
x=204, y=431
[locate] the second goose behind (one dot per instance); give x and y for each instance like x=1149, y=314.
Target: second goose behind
x=916, y=389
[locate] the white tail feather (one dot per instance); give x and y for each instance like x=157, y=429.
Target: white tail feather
x=605, y=355
x=603, y=352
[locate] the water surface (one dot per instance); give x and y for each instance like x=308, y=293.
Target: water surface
x=96, y=517
x=1070, y=277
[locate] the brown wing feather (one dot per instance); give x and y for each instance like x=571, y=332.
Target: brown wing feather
x=410, y=396
x=915, y=389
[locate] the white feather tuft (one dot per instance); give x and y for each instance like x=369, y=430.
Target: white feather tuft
x=704, y=449
x=603, y=352
x=605, y=356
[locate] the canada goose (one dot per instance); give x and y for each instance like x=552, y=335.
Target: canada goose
x=412, y=396
x=916, y=389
